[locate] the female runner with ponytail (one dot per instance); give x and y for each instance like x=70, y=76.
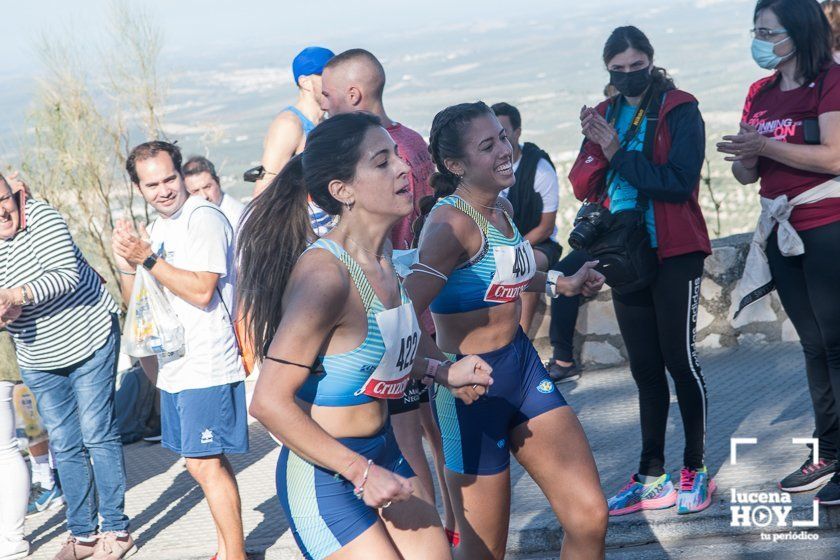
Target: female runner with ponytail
x=473, y=264
x=338, y=335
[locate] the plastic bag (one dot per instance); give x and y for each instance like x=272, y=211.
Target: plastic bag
x=151, y=325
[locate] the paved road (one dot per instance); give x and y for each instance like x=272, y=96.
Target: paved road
x=753, y=392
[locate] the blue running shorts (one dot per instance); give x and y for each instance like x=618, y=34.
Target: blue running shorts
x=476, y=436
x=205, y=422
x=323, y=513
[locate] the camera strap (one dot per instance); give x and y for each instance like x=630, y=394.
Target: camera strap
x=649, y=107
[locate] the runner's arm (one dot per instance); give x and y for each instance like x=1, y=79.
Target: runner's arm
x=441, y=248
x=281, y=142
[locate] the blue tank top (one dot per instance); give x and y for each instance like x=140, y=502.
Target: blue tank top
x=467, y=286
x=305, y=122
x=339, y=379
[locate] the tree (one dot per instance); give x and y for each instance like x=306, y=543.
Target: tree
x=81, y=127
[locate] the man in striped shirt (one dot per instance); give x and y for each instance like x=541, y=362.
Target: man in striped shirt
x=190, y=254
x=66, y=334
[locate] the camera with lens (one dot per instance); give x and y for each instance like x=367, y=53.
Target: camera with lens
x=591, y=221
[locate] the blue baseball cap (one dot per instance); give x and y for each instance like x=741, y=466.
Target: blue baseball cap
x=311, y=60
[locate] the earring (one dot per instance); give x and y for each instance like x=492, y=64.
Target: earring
x=349, y=205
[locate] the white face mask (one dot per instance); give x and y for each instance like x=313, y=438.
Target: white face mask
x=765, y=56
x=403, y=260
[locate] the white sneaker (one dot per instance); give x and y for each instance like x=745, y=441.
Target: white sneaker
x=13, y=550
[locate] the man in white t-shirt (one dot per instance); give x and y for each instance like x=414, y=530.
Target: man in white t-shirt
x=534, y=196
x=190, y=254
x=201, y=180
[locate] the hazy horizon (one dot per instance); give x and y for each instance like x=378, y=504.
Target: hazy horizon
x=227, y=65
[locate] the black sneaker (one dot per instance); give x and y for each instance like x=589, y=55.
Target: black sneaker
x=829, y=495
x=562, y=374
x=809, y=476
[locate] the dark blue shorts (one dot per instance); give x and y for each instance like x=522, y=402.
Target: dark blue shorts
x=475, y=437
x=205, y=422
x=322, y=510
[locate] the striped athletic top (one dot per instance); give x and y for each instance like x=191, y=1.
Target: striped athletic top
x=340, y=377
x=467, y=284
x=71, y=316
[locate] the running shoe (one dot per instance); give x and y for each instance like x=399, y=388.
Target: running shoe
x=809, y=476
x=562, y=374
x=696, y=489
x=829, y=495
x=42, y=500
x=635, y=496
x=454, y=537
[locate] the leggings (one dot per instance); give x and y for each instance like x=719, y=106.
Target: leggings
x=658, y=326
x=14, y=490
x=808, y=287
x=564, y=311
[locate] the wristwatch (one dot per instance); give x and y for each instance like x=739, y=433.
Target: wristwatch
x=150, y=261
x=551, y=282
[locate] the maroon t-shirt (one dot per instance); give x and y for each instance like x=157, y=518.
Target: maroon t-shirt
x=779, y=115
x=412, y=148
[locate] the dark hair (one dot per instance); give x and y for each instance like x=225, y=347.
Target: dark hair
x=631, y=37
x=446, y=142
x=149, y=150
x=831, y=9
x=503, y=109
x=276, y=228
x=197, y=165
x=356, y=54
x=809, y=30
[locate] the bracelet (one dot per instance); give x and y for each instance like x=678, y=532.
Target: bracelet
x=432, y=368
x=359, y=492
x=25, y=298
x=124, y=273
x=350, y=464
x=551, y=282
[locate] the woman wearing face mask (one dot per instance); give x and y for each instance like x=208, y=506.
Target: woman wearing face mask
x=657, y=322
x=789, y=140
x=473, y=265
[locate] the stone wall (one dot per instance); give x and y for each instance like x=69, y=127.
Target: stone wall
x=598, y=341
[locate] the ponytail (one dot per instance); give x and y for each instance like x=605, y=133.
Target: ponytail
x=275, y=231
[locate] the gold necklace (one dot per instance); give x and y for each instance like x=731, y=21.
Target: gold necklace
x=494, y=208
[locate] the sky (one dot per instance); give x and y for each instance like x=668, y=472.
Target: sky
x=201, y=27
x=192, y=26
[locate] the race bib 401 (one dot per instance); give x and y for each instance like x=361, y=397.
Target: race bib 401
x=515, y=268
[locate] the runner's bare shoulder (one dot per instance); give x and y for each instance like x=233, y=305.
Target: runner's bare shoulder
x=319, y=286
x=447, y=226
x=285, y=125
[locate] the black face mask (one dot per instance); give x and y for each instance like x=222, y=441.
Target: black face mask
x=631, y=84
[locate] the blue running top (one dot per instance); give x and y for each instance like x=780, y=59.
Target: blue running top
x=340, y=378
x=305, y=122
x=467, y=285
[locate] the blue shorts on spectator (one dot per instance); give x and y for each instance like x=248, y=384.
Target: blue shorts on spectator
x=205, y=422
